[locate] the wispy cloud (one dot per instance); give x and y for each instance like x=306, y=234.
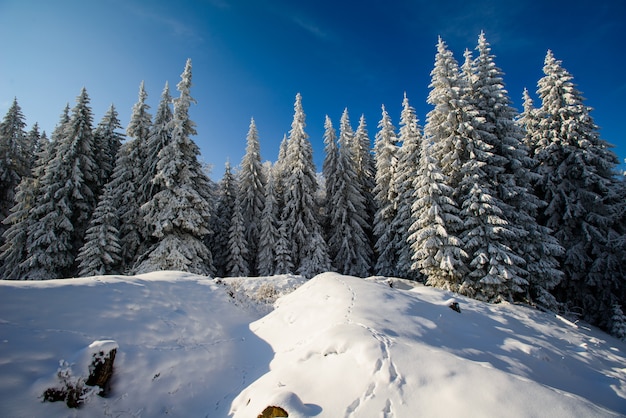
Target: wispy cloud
x=312, y=27
x=173, y=25
x=294, y=14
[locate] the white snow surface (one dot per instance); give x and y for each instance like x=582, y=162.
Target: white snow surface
x=336, y=346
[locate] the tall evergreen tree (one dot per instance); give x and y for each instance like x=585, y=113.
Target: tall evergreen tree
x=528, y=120
x=237, y=265
x=329, y=171
x=156, y=136
x=348, y=243
x=179, y=213
x=15, y=157
x=577, y=181
x=533, y=244
x=269, y=233
x=408, y=165
x=222, y=219
x=437, y=251
x=386, y=195
x=107, y=141
x=284, y=261
x=127, y=181
x=252, y=189
x=366, y=175
x=101, y=252
x=66, y=200
x=34, y=141
x=495, y=200
x=309, y=252
x=444, y=144
x=14, y=251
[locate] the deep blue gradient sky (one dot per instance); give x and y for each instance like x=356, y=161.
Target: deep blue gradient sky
x=250, y=58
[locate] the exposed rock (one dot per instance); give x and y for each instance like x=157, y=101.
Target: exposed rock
x=273, y=412
x=101, y=370
x=98, y=359
x=455, y=307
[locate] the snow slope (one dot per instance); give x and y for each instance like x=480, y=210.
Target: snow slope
x=191, y=346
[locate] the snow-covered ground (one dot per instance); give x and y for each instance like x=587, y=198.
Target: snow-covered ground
x=337, y=346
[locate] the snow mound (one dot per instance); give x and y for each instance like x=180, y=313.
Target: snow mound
x=356, y=348
x=337, y=346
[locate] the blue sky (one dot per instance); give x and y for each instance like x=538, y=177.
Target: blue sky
x=250, y=58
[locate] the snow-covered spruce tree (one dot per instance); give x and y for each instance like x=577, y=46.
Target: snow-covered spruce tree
x=348, y=243
x=107, y=141
x=252, y=190
x=269, y=233
x=15, y=157
x=66, y=199
x=237, y=264
x=284, y=265
x=496, y=267
x=14, y=251
x=309, y=253
x=539, y=266
x=329, y=171
x=366, y=175
x=408, y=165
x=222, y=219
x=577, y=181
x=35, y=142
x=152, y=136
x=437, y=252
x=528, y=120
x=126, y=183
x=386, y=195
x=101, y=252
x=509, y=171
x=280, y=170
x=446, y=146
x=179, y=213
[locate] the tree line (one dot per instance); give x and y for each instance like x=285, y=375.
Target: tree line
x=482, y=200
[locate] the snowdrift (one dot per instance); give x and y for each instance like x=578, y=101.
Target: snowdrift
x=337, y=346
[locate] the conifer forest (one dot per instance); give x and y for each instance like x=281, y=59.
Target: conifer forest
x=482, y=199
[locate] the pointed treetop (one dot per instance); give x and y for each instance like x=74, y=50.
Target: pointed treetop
x=527, y=99
x=185, y=77
x=298, y=124
x=481, y=38
x=345, y=117
x=467, y=66
x=441, y=45
x=328, y=127
x=142, y=92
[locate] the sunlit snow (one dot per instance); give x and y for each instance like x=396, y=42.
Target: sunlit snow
x=336, y=346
